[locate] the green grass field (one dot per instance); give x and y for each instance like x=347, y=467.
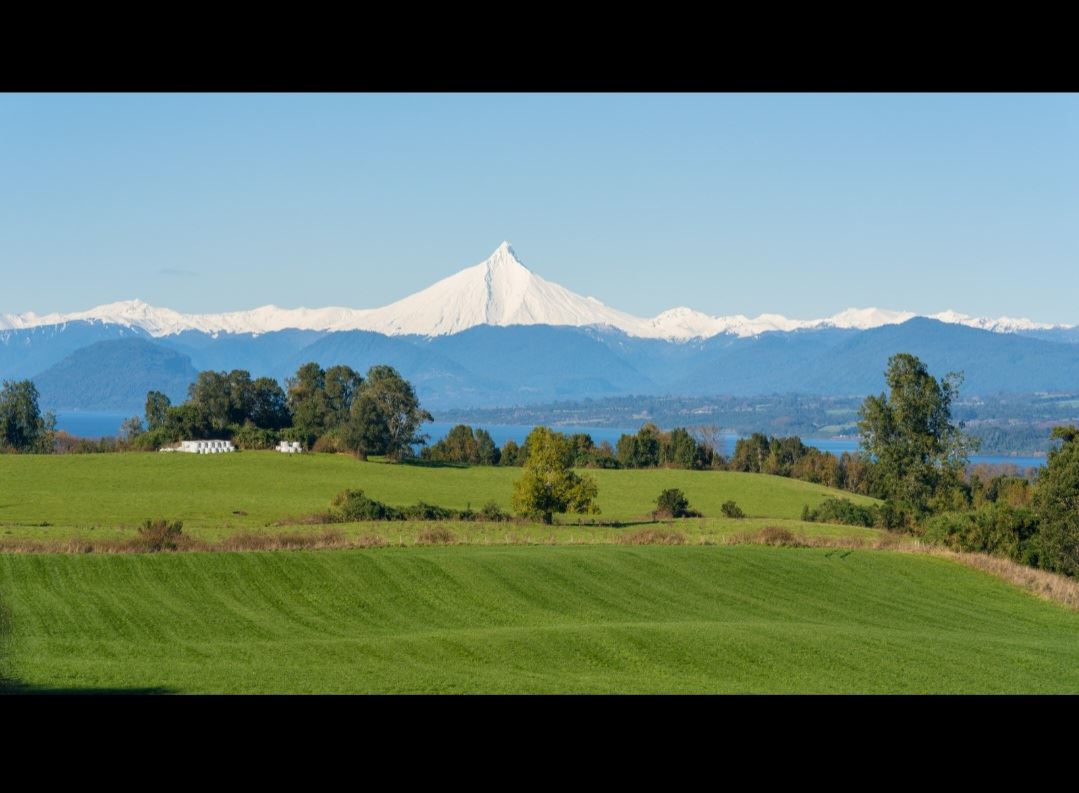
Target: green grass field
x=527, y=619
x=108, y=495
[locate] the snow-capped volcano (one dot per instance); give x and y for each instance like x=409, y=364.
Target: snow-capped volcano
x=498, y=291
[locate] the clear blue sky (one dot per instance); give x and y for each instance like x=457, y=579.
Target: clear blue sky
x=797, y=204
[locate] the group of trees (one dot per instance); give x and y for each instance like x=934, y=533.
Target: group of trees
x=648, y=448
x=917, y=460
x=326, y=409
x=653, y=448
x=463, y=445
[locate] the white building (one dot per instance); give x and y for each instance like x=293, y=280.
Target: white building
x=289, y=447
x=206, y=447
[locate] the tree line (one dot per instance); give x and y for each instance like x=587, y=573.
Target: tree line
x=650, y=447
x=334, y=409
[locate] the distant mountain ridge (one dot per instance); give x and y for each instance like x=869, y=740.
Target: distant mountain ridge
x=500, y=291
x=115, y=375
x=498, y=335
x=491, y=366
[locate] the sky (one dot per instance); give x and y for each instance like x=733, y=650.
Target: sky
x=801, y=205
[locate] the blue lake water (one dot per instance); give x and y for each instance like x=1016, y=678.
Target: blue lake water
x=88, y=424
x=97, y=425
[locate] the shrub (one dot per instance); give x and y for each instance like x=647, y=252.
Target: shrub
x=352, y=505
x=326, y=443
x=893, y=517
x=492, y=512
x=995, y=528
x=251, y=437
x=673, y=503
x=841, y=510
x=731, y=510
x=422, y=511
x=160, y=535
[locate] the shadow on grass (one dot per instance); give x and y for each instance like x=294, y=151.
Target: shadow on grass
x=19, y=688
x=613, y=524
x=418, y=463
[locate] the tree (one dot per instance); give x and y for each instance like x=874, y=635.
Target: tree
x=751, y=454
x=679, y=449
x=131, y=428
x=510, y=453
x=396, y=402
x=918, y=451
x=648, y=446
x=367, y=431
x=627, y=451
x=1056, y=503
x=709, y=439
x=486, y=450
x=549, y=485
x=23, y=428
x=459, y=446
x=269, y=405
x=307, y=402
x=157, y=407
x=210, y=394
x=342, y=385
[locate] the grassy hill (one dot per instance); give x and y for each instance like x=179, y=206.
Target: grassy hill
x=536, y=619
x=221, y=493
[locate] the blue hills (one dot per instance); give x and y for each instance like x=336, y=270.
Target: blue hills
x=90, y=365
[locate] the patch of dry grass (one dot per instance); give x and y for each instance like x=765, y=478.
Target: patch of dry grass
x=652, y=537
x=436, y=535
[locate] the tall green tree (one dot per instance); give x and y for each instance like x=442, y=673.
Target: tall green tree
x=23, y=428
x=307, y=402
x=549, y=485
x=679, y=449
x=157, y=407
x=269, y=405
x=919, y=453
x=367, y=430
x=342, y=384
x=210, y=394
x=395, y=401
x=486, y=451
x=321, y=401
x=384, y=417
x=1056, y=503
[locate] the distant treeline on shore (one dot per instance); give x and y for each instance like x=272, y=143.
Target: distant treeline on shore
x=1016, y=423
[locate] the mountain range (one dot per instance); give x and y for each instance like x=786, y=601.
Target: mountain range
x=498, y=291
x=497, y=334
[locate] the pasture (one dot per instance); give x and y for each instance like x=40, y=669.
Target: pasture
x=527, y=619
x=108, y=495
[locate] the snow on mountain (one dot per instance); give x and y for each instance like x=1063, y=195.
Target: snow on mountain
x=999, y=325
x=498, y=291
x=166, y=322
